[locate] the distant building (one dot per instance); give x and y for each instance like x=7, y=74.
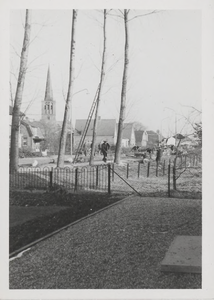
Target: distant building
x=50, y=127
x=43, y=134
x=128, y=137
x=106, y=130
x=141, y=138
x=170, y=141
x=31, y=136
x=153, y=138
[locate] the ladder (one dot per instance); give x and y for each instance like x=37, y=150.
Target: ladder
x=88, y=121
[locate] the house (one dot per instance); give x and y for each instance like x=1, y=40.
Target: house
x=128, y=136
x=141, y=138
x=31, y=136
x=153, y=138
x=170, y=141
x=106, y=130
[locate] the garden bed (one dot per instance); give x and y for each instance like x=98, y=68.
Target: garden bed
x=78, y=205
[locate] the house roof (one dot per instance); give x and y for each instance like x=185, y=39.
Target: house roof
x=106, y=127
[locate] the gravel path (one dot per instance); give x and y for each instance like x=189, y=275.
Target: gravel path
x=118, y=248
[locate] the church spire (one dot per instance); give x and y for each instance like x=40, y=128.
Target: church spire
x=48, y=91
x=48, y=105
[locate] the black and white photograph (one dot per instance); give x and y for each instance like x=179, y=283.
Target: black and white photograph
x=109, y=107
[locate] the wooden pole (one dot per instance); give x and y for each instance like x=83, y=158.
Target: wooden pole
x=97, y=175
x=169, y=179
x=164, y=162
x=157, y=165
x=76, y=179
x=138, y=170
x=127, y=173
x=148, y=167
x=113, y=172
x=109, y=179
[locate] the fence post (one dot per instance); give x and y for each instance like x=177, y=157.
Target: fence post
x=174, y=177
x=193, y=160
x=157, y=165
x=113, y=172
x=185, y=161
x=148, y=167
x=76, y=179
x=164, y=167
x=51, y=177
x=127, y=174
x=138, y=170
x=97, y=175
x=109, y=179
x=169, y=179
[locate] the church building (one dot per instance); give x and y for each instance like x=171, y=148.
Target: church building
x=49, y=126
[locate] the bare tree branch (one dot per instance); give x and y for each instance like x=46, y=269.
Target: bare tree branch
x=143, y=15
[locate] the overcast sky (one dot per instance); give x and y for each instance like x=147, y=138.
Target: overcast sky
x=164, y=71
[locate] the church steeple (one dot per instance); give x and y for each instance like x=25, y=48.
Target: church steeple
x=48, y=91
x=48, y=105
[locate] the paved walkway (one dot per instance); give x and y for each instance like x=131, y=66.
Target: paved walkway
x=118, y=248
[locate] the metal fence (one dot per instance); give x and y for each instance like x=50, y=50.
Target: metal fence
x=144, y=178
x=76, y=178
x=160, y=177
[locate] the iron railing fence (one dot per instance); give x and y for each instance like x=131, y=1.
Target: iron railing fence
x=155, y=177
x=76, y=178
x=147, y=177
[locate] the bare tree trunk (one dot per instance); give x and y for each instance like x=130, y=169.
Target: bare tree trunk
x=123, y=92
x=60, y=161
x=14, y=146
x=99, y=91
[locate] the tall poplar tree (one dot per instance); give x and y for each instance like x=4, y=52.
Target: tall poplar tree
x=124, y=89
x=61, y=154
x=14, y=145
x=102, y=74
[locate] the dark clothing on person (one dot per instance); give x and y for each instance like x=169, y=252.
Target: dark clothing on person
x=104, y=148
x=159, y=154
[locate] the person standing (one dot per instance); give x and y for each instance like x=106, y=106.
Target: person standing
x=104, y=148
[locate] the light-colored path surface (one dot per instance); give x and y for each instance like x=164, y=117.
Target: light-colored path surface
x=119, y=248
x=184, y=255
